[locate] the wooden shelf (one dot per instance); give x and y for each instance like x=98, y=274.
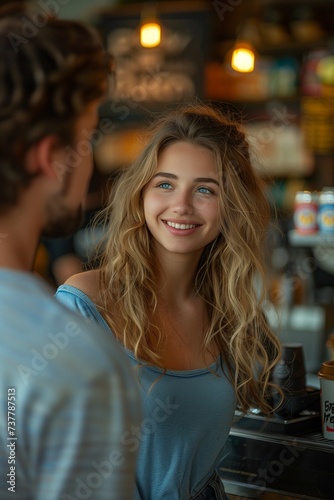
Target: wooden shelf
x=318, y=239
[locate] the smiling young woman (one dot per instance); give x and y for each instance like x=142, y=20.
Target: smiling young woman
x=180, y=202
x=185, y=232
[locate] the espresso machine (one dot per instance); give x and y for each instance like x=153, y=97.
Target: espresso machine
x=285, y=454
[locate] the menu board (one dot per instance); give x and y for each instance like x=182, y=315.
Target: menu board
x=149, y=78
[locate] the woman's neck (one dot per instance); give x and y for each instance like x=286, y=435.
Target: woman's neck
x=176, y=278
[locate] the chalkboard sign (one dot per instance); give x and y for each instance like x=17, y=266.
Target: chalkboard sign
x=151, y=78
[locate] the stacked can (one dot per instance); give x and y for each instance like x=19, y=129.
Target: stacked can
x=306, y=212
x=326, y=212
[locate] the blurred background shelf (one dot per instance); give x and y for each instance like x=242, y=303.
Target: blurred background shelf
x=297, y=239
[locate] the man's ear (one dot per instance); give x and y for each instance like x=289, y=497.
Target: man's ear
x=40, y=157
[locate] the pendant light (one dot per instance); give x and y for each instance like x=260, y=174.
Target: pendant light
x=150, y=28
x=243, y=57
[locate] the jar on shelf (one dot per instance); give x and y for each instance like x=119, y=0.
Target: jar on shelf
x=326, y=212
x=306, y=212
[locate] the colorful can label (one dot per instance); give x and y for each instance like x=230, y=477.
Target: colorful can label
x=306, y=213
x=326, y=212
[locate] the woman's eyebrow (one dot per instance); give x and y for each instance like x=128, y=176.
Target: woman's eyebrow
x=165, y=174
x=198, y=179
x=206, y=179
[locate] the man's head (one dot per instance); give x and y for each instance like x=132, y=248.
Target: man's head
x=53, y=72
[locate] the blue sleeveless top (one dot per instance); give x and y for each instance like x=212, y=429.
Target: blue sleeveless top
x=187, y=415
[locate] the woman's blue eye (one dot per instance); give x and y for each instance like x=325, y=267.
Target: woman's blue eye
x=164, y=185
x=204, y=190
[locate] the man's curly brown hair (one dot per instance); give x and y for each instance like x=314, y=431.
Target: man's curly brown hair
x=48, y=74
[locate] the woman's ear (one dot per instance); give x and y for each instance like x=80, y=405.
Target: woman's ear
x=40, y=157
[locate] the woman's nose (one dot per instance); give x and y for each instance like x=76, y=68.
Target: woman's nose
x=183, y=203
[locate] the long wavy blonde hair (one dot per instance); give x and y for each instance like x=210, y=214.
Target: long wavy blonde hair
x=229, y=266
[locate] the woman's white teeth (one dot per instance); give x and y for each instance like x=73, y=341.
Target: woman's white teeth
x=181, y=226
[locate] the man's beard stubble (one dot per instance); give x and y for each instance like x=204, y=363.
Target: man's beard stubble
x=62, y=221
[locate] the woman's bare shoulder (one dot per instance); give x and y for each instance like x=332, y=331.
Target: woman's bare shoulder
x=87, y=282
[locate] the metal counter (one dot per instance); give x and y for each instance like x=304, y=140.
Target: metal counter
x=261, y=461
